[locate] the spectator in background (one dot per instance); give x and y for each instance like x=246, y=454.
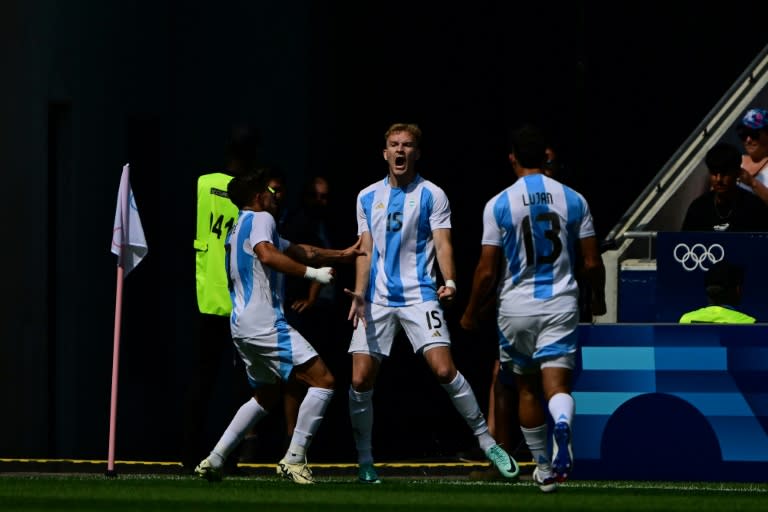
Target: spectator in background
x=308, y=224
x=723, y=283
x=215, y=217
x=530, y=230
x=753, y=132
x=554, y=167
x=725, y=206
x=310, y=307
x=278, y=184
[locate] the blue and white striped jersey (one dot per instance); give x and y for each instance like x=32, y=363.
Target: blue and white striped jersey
x=537, y=222
x=401, y=222
x=255, y=289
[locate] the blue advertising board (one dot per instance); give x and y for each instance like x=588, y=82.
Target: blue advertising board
x=683, y=258
x=672, y=402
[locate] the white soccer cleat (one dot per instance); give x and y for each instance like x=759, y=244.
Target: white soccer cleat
x=299, y=473
x=206, y=470
x=546, y=483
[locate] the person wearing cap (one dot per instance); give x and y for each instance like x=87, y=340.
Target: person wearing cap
x=723, y=283
x=725, y=207
x=753, y=132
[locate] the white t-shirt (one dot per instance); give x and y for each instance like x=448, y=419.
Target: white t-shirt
x=761, y=176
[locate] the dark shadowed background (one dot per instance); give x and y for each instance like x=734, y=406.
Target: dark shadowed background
x=88, y=86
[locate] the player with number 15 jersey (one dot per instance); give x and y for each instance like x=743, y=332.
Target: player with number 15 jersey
x=404, y=223
x=401, y=221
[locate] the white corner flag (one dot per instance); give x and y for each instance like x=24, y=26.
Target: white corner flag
x=128, y=241
x=130, y=246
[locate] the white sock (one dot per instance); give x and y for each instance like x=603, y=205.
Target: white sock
x=536, y=439
x=310, y=416
x=562, y=408
x=464, y=401
x=361, y=417
x=245, y=418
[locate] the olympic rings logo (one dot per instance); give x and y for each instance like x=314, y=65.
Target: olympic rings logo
x=698, y=256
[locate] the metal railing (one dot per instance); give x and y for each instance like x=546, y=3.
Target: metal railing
x=650, y=235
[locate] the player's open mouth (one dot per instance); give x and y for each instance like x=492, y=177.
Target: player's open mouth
x=399, y=161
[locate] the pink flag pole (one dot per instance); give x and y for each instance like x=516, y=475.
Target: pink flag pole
x=115, y=367
x=130, y=246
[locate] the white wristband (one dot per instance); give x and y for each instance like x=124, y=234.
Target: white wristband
x=451, y=283
x=322, y=275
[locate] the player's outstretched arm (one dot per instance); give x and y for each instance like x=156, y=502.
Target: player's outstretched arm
x=270, y=256
x=312, y=255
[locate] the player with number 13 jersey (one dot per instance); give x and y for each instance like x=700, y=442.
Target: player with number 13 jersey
x=535, y=222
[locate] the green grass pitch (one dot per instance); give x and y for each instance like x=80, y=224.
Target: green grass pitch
x=26, y=492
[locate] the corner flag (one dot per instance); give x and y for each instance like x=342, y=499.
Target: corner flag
x=130, y=246
x=128, y=241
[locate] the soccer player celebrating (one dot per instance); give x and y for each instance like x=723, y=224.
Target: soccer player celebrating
x=272, y=350
x=404, y=222
x=530, y=232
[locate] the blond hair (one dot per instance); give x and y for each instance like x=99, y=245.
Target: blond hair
x=411, y=128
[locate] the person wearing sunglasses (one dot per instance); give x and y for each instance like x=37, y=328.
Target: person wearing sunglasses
x=292, y=396
x=273, y=352
x=753, y=132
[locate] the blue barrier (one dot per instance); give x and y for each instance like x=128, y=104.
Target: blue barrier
x=672, y=402
x=637, y=293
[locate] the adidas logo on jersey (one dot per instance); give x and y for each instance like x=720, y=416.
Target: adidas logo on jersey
x=437, y=334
